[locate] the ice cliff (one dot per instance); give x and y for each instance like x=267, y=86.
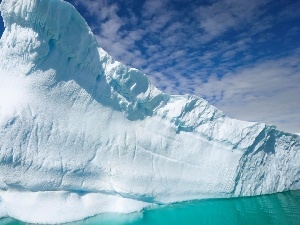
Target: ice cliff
x=82, y=134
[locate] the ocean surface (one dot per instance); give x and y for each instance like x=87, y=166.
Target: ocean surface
x=280, y=208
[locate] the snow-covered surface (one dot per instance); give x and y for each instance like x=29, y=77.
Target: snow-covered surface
x=82, y=134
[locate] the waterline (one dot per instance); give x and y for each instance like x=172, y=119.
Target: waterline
x=280, y=208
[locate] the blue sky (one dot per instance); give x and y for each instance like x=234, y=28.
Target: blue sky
x=241, y=56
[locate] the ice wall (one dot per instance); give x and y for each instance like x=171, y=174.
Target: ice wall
x=86, y=134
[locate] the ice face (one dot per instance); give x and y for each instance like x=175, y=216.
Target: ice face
x=82, y=133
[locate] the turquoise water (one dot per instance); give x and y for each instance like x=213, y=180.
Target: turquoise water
x=281, y=209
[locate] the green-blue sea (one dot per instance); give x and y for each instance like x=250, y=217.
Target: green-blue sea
x=280, y=208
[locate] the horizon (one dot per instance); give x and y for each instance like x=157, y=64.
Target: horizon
x=242, y=57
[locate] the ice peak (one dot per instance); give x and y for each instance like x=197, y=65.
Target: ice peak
x=39, y=26
x=47, y=14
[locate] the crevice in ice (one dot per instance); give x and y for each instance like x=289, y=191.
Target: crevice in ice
x=167, y=158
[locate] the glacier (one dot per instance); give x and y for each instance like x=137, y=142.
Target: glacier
x=83, y=134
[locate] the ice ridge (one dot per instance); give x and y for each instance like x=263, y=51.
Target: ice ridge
x=82, y=134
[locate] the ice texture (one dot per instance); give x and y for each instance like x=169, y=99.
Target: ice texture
x=82, y=134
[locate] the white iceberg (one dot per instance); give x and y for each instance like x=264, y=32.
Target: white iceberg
x=82, y=134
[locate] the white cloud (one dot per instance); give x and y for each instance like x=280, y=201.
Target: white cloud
x=154, y=7
x=222, y=15
x=266, y=92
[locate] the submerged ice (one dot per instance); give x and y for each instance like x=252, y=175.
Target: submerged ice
x=82, y=134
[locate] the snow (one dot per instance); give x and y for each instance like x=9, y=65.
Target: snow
x=82, y=134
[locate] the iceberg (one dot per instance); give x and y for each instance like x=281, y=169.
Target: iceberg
x=83, y=134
